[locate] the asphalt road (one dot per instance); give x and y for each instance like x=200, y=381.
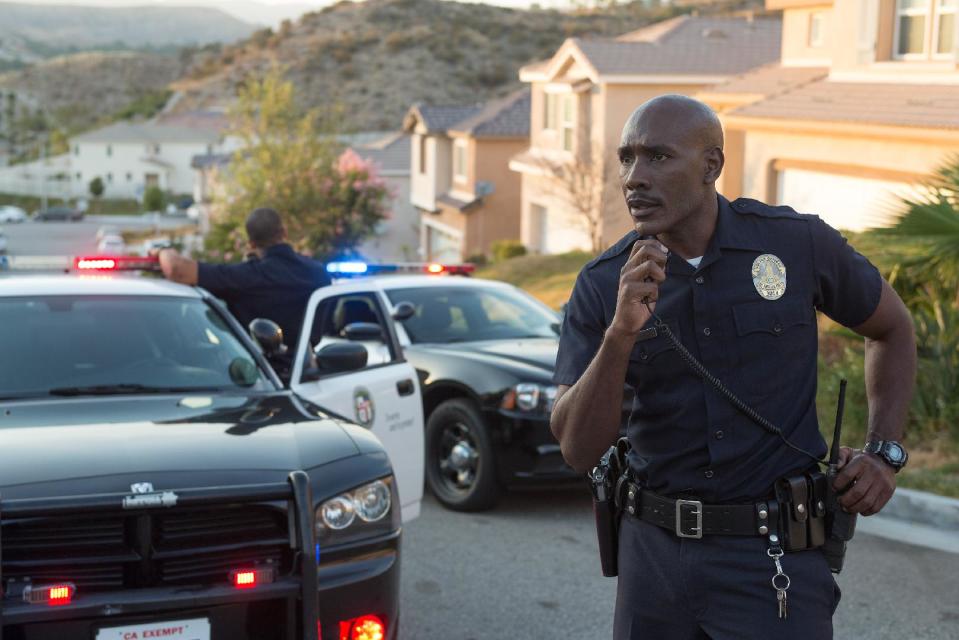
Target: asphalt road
x=529, y=569
x=74, y=238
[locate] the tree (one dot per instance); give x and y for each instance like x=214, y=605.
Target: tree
x=153, y=198
x=96, y=188
x=585, y=183
x=330, y=198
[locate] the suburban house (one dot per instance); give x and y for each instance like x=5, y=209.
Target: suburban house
x=862, y=106
x=395, y=239
x=129, y=157
x=461, y=182
x=582, y=96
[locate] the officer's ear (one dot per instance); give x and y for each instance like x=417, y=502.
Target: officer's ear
x=713, y=162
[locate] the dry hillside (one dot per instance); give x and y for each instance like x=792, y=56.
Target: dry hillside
x=378, y=57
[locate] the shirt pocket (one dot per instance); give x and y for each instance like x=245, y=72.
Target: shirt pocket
x=772, y=343
x=656, y=371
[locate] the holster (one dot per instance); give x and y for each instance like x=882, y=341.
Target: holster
x=607, y=481
x=802, y=510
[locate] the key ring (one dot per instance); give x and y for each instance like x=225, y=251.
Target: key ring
x=778, y=588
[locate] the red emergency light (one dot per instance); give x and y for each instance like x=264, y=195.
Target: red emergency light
x=249, y=578
x=116, y=263
x=52, y=594
x=368, y=627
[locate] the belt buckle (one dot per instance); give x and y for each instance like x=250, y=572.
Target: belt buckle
x=698, y=511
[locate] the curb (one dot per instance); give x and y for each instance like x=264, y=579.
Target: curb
x=921, y=507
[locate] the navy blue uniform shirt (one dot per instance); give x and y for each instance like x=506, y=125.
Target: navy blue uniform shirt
x=276, y=287
x=687, y=438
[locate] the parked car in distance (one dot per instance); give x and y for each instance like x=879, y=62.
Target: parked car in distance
x=58, y=213
x=111, y=245
x=12, y=214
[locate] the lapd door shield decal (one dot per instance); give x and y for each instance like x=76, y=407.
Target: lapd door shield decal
x=769, y=276
x=363, y=409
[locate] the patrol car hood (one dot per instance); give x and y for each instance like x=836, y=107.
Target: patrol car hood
x=528, y=356
x=81, y=446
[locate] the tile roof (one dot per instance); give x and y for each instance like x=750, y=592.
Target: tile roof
x=908, y=105
x=504, y=118
x=693, y=46
x=769, y=80
x=148, y=132
x=439, y=118
x=390, y=153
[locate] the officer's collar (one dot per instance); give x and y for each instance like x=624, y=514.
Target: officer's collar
x=282, y=248
x=730, y=233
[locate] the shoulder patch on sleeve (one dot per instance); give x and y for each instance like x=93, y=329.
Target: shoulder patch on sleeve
x=755, y=207
x=623, y=245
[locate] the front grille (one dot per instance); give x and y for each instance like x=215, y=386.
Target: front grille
x=183, y=547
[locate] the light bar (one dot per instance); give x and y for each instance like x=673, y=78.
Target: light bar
x=116, y=263
x=348, y=269
x=52, y=594
x=249, y=578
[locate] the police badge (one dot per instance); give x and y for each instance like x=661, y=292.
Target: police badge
x=769, y=276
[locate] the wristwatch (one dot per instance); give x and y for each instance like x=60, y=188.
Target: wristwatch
x=891, y=452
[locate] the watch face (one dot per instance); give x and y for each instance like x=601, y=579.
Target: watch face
x=895, y=452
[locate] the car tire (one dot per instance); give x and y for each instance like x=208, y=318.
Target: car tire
x=460, y=460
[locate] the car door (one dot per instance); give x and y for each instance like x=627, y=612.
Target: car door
x=383, y=396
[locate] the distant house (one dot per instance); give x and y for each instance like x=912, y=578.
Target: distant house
x=581, y=98
x=862, y=105
x=395, y=239
x=461, y=183
x=130, y=157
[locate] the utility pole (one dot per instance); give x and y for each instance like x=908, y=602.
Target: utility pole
x=43, y=173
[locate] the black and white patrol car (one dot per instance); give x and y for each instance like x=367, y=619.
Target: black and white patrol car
x=158, y=480
x=484, y=353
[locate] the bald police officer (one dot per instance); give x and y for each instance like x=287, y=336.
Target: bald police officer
x=276, y=285
x=738, y=283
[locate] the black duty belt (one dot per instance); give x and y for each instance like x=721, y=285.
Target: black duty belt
x=693, y=519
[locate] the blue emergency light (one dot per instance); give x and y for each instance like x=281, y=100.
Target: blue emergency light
x=356, y=268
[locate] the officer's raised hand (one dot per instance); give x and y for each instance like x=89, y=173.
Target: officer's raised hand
x=865, y=482
x=639, y=281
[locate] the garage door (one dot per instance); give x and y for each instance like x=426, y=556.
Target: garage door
x=557, y=231
x=845, y=202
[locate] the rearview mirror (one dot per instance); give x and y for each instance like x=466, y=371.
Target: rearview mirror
x=404, y=311
x=343, y=356
x=362, y=331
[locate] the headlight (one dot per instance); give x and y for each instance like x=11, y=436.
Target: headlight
x=357, y=514
x=530, y=396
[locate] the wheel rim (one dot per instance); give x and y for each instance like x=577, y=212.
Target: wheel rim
x=457, y=458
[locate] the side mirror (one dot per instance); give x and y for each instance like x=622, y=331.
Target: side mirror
x=362, y=331
x=404, y=311
x=344, y=356
x=268, y=335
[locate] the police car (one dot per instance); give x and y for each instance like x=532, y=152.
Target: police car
x=484, y=353
x=158, y=480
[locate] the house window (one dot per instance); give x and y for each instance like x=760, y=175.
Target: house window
x=423, y=154
x=815, y=28
x=946, y=27
x=76, y=149
x=129, y=177
x=79, y=176
x=109, y=151
x=110, y=178
x=925, y=28
x=549, y=111
x=459, y=160
x=568, y=122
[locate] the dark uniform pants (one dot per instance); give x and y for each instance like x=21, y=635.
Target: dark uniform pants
x=716, y=588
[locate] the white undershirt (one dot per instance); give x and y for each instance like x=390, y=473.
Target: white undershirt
x=695, y=261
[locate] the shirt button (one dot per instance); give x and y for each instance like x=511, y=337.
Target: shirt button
x=778, y=328
x=706, y=331
x=700, y=280
x=720, y=435
x=644, y=356
x=709, y=474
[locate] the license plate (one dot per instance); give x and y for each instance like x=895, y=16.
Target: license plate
x=195, y=629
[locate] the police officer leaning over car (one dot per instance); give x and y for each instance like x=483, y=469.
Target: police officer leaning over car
x=276, y=285
x=738, y=284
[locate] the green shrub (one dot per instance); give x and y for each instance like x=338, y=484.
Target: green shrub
x=506, y=249
x=479, y=259
x=153, y=199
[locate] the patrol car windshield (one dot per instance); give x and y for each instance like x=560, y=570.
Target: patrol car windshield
x=105, y=345
x=474, y=313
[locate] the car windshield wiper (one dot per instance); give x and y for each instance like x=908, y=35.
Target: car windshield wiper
x=120, y=389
